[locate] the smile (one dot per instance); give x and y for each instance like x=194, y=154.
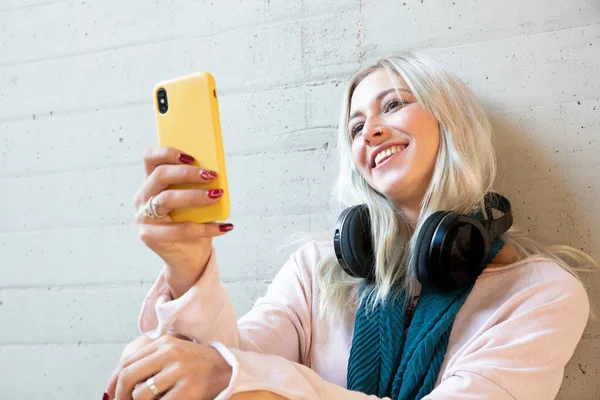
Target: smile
x=388, y=153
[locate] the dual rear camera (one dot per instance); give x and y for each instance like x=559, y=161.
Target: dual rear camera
x=163, y=103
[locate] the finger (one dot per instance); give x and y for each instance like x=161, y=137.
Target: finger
x=155, y=156
x=142, y=369
x=131, y=347
x=112, y=383
x=129, y=359
x=180, y=391
x=169, y=200
x=163, y=381
x=257, y=395
x=164, y=176
x=182, y=231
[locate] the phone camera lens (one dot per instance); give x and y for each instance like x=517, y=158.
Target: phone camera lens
x=163, y=104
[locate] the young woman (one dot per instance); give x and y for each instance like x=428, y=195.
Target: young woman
x=451, y=305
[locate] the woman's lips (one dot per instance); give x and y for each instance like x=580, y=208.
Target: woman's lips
x=385, y=160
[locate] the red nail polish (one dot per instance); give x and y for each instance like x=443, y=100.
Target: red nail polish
x=208, y=175
x=225, y=227
x=215, y=193
x=105, y=396
x=186, y=158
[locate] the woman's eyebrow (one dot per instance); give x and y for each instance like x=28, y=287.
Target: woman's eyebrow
x=379, y=97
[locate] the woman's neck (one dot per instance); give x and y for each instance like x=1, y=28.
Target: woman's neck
x=508, y=255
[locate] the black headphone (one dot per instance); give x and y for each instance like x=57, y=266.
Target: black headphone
x=451, y=248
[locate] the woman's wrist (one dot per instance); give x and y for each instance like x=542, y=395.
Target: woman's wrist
x=181, y=278
x=222, y=373
x=179, y=283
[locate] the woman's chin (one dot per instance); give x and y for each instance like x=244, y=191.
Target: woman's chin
x=390, y=183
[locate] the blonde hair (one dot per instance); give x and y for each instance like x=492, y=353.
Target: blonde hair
x=465, y=170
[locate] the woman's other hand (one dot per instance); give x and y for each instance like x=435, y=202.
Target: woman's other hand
x=180, y=369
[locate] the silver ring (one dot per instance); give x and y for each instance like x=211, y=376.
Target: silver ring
x=153, y=388
x=154, y=207
x=380, y=130
x=151, y=209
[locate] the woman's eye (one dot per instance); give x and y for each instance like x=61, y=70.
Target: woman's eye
x=392, y=105
x=357, y=128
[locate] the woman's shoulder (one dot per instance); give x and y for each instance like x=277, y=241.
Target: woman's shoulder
x=309, y=254
x=533, y=276
x=537, y=266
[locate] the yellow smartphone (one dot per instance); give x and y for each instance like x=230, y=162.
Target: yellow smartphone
x=187, y=118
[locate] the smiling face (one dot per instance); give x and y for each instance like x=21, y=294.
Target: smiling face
x=395, y=141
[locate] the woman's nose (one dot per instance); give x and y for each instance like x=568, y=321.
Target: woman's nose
x=375, y=133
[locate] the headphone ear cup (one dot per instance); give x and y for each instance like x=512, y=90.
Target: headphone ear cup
x=455, y=258
x=357, y=246
x=422, y=247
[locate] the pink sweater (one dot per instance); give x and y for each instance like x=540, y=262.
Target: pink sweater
x=511, y=339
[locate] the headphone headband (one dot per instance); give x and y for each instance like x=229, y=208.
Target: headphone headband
x=498, y=226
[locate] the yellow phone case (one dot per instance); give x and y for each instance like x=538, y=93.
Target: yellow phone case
x=191, y=124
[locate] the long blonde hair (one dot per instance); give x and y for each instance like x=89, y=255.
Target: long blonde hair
x=465, y=170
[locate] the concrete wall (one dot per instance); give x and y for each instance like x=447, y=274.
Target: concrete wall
x=76, y=114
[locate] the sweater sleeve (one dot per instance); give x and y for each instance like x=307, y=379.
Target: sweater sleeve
x=279, y=322
x=252, y=371
x=519, y=357
x=524, y=353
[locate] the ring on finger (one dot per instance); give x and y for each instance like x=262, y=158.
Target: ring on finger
x=150, y=210
x=152, y=386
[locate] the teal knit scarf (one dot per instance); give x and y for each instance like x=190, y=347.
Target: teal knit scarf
x=385, y=363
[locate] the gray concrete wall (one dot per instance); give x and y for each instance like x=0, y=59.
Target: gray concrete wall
x=76, y=114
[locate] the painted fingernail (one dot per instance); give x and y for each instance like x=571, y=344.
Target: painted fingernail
x=208, y=175
x=215, y=193
x=225, y=227
x=105, y=396
x=186, y=158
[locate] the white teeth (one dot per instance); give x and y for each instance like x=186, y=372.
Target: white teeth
x=388, y=152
